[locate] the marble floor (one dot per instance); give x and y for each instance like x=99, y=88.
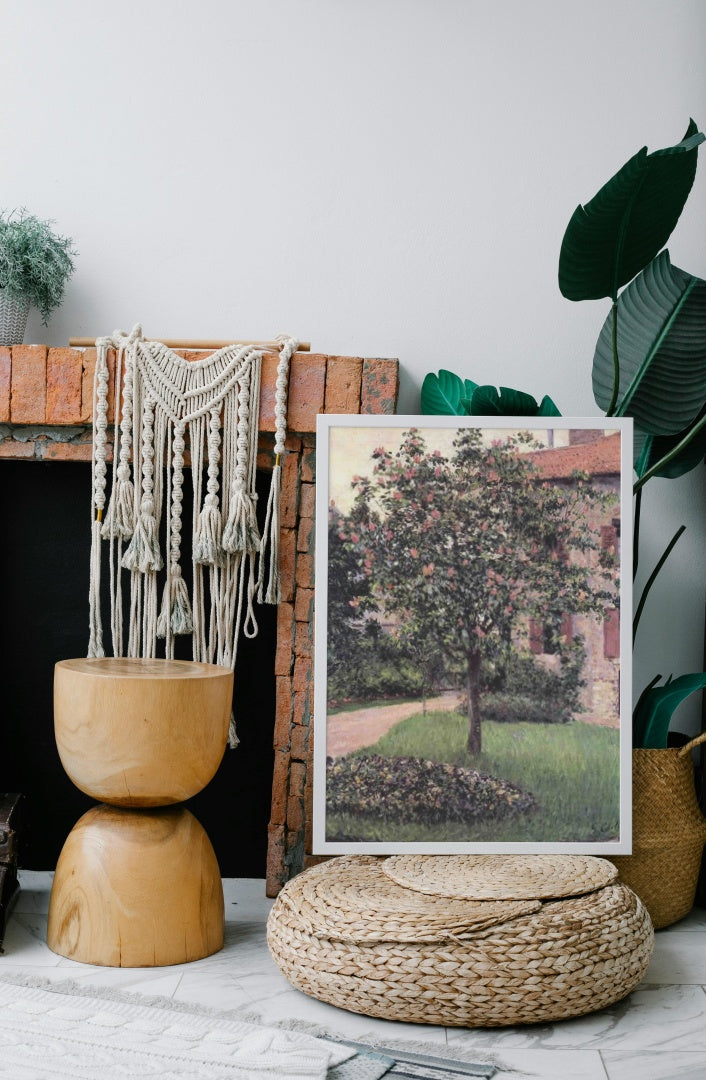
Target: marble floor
x=658, y=1033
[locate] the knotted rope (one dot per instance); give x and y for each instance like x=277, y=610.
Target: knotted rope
x=163, y=404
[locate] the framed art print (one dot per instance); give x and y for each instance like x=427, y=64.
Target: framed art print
x=472, y=665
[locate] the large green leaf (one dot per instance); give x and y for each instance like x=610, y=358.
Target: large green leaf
x=547, y=407
x=614, y=236
x=445, y=394
x=654, y=710
x=649, y=450
x=488, y=401
x=661, y=350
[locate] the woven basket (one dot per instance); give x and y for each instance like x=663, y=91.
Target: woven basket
x=13, y=318
x=668, y=831
x=566, y=958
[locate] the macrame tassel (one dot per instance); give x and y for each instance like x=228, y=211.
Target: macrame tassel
x=99, y=469
x=143, y=552
x=119, y=521
x=273, y=593
x=175, y=614
x=95, y=640
x=208, y=548
x=241, y=532
x=120, y=517
x=208, y=540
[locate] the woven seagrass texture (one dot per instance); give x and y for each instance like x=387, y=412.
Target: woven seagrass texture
x=13, y=319
x=501, y=877
x=570, y=957
x=360, y=903
x=668, y=832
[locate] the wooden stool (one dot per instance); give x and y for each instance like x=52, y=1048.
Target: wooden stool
x=137, y=886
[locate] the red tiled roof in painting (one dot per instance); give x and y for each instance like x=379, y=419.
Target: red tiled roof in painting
x=598, y=458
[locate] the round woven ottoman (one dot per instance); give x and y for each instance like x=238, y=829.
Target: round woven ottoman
x=466, y=941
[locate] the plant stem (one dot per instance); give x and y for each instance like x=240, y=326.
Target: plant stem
x=691, y=433
x=651, y=580
x=616, y=365
x=636, y=533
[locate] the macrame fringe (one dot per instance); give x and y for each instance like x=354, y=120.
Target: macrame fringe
x=233, y=739
x=120, y=518
x=95, y=640
x=175, y=615
x=273, y=593
x=208, y=545
x=142, y=553
x=241, y=532
x=161, y=401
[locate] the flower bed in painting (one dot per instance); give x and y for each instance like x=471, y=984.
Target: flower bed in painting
x=412, y=789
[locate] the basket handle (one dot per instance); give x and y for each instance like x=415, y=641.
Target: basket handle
x=691, y=745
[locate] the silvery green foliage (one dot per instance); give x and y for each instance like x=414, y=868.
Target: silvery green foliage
x=35, y=263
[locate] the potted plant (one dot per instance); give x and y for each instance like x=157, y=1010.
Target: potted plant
x=650, y=364
x=35, y=264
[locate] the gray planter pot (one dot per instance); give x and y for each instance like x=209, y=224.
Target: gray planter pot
x=13, y=318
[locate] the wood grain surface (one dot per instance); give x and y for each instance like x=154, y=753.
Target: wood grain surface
x=141, y=732
x=136, y=888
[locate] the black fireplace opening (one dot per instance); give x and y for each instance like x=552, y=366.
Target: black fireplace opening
x=44, y=560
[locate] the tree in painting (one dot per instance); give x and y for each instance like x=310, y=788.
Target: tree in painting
x=459, y=551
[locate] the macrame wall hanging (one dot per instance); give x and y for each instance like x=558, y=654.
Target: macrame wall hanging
x=161, y=400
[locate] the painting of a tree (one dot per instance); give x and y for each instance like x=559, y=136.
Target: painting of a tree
x=457, y=549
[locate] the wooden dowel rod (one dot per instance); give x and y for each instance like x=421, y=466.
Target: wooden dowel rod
x=173, y=343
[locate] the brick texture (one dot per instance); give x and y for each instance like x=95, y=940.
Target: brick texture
x=28, y=393
x=5, y=372
x=343, y=381
x=10, y=449
x=284, y=653
x=54, y=451
x=64, y=386
x=87, y=374
x=306, y=391
x=287, y=562
x=307, y=501
x=379, y=387
x=299, y=743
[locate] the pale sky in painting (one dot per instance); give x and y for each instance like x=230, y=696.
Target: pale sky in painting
x=350, y=450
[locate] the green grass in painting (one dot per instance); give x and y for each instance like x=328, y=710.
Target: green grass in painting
x=571, y=769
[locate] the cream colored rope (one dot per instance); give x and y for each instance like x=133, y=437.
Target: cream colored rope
x=160, y=401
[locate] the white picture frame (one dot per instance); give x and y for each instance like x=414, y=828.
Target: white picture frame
x=569, y=463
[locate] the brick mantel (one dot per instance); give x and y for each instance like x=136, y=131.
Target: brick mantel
x=46, y=397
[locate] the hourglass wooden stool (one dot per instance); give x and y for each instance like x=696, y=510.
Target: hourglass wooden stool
x=137, y=883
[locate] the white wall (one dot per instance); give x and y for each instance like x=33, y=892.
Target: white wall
x=383, y=177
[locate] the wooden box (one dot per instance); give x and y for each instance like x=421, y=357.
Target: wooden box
x=10, y=831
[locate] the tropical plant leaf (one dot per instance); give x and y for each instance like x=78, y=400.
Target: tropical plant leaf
x=489, y=401
x=656, y=706
x=648, y=450
x=661, y=350
x=547, y=407
x=614, y=236
x=444, y=394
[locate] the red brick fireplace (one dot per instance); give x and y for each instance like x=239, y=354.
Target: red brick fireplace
x=45, y=415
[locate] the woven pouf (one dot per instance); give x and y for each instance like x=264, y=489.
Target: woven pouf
x=370, y=935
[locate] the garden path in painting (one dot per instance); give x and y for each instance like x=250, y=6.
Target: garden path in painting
x=349, y=731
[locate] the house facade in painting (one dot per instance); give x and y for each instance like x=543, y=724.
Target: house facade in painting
x=598, y=455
